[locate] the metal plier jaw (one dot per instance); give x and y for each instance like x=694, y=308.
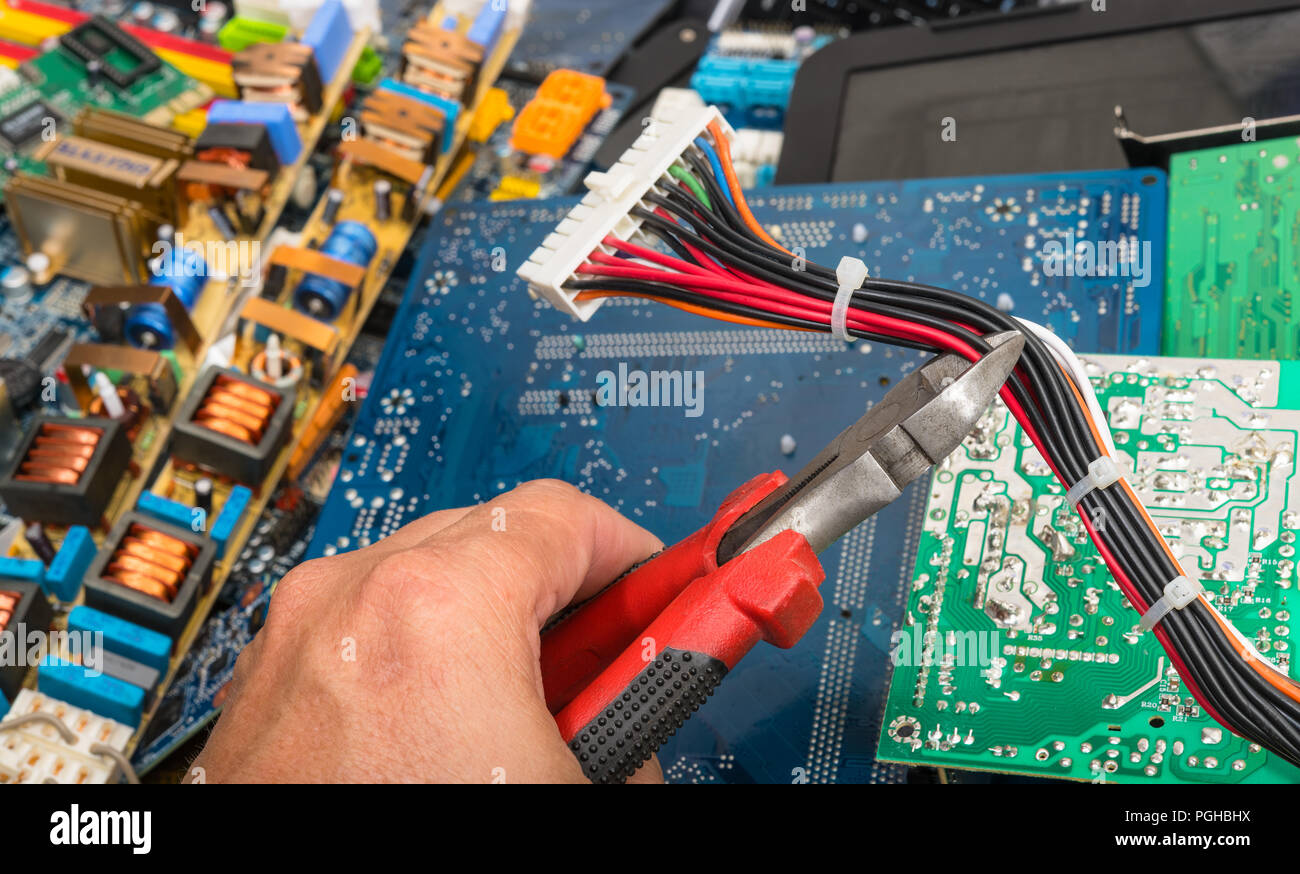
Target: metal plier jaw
x=920, y=422
x=624, y=670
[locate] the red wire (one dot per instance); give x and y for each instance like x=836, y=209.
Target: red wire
x=1130, y=592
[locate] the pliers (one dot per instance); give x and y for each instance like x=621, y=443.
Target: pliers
x=623, y=670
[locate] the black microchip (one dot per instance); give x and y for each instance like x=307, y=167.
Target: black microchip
x=20, y=127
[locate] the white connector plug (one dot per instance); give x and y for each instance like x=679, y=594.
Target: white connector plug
x=606, y=209
x=37, y=753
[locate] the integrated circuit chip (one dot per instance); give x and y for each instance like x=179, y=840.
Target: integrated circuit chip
x=23, y=126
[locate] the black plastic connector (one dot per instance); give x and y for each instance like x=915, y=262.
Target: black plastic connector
x=106, y=593
x=66, y=487
x=196, y=438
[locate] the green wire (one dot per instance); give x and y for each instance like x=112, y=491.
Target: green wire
x=692, y=183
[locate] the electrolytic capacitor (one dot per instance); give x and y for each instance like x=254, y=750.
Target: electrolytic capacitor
x=39, y=541
x=383, y=199
x=333, y=200
x=203, y=495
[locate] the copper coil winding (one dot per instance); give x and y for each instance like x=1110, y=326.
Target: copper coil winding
x=151, y=562
x=59, y=454
x=8, y=604
x=237, y=409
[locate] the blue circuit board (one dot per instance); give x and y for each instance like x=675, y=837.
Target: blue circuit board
x=581, y=35
x=481, y=388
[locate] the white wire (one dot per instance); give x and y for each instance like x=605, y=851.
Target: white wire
x=1065, y=355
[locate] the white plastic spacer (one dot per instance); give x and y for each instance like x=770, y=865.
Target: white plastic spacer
x=1102, y=472
x=1179, y=592
x=850, y=274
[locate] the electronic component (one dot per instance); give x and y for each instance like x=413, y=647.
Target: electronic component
x=120, y=58
x=150, y=573
x=328, y=35
x=275, y=117
x=232, y=511
x=412, y=126
x=283, y=73
x=91, y=689
x=607, y=208
x=245, y=145
x=322, y=297
x=37, y=752
x=24, y=125
x=441, y=61
x=165, y=509
x=82, y=232
x=23, y=611
x=233, y=425
x=182, y=270
x=124, y=638
x=67, y=470
x=64, y=575
x=552, y=121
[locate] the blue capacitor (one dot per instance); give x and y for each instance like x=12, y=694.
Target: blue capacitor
x=323, y=298
x=147, y=325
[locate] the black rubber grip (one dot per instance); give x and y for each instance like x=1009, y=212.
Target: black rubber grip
x=653, y=706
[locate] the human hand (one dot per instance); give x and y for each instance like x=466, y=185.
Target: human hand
x=416, y=659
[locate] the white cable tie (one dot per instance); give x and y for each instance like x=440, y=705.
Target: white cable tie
x=1102, y=472
x=1179, y=592
x=850, y=274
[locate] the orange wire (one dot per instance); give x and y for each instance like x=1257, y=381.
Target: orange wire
x=1282, y=683
x=695, y=310
x=723, y=149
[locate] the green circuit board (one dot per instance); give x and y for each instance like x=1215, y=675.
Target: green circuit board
x=45, y=95
x=1019, y=653
x=1232, y=274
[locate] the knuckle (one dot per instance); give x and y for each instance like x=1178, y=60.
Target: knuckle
x=423, y=578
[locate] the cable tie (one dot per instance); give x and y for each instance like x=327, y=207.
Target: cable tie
x=1102, y=472
x=850, y=274
x=1179, y=592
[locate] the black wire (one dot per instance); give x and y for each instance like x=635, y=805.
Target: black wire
x=1246, y=700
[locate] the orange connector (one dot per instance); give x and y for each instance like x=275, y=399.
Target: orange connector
x=553, y=120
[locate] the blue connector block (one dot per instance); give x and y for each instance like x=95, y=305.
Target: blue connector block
x=450, y=109
x=26, y=570
x=166, y=510
x=231, y=512
x=487, y=27
x=275, y=117
x=329, y=33
x=746, y=86
x=98, y=693
x=64, y=576
x=127, y=639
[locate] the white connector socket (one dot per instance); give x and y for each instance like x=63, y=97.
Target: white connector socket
x=606, y=209
x=37, y=753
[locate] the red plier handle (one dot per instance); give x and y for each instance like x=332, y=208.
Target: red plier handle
x=625, y=669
